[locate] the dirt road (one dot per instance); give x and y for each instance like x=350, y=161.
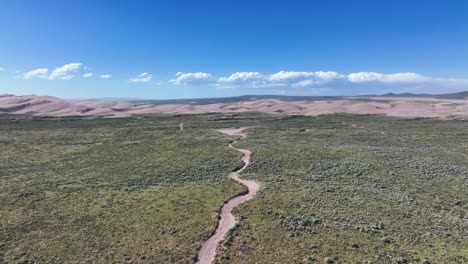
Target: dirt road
x=227, y=219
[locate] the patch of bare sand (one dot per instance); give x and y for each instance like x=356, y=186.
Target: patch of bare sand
x=233, y=131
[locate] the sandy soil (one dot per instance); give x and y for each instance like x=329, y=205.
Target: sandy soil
x=227, y=219
x=233, y=131
x=398, y=106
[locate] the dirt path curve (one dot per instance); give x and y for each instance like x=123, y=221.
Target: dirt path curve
x=227, y=220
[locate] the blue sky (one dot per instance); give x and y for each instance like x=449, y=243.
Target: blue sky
x=183, y=49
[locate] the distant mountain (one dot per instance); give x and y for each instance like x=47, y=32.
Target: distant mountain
x=287, y=98
x=119, y=99
x=242, y=98
x=459, y=95
x=406, y=95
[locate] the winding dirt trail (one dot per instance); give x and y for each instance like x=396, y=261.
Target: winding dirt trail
x=227, y=220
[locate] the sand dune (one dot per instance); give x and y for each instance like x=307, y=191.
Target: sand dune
x=400, y=107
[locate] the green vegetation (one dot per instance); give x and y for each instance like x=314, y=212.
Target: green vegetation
x=355, y=189
x=105, y=190
x=335, y=189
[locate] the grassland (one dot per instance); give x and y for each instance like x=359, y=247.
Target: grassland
x=109, y=190
x=335, y=189
x=355, y=189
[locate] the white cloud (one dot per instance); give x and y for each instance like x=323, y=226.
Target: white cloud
x=403, y=77
x=38, y=73
x=328, y=75
x=289, y=75
x=2, y=69
x=304, y=84
x=325, y=81
x=194, y=78
x=302, y=79
x=407, y=82
x=279, y=79
x=144, y=77
x=65, y=72
x=87, y=75
x=105, y=76
x=242, y=79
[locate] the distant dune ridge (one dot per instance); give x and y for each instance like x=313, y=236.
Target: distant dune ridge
x=398, y=106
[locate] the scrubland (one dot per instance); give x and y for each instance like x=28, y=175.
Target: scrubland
x=335, y=189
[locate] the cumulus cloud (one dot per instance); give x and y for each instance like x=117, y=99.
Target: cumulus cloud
x=406, y=82
x=105, y=76
x=280, y=79
x=144, y=77
x=326, y=80
x=404, y=77
x=62, y=73
x=87, y=75
x=289, y=75
x=245, y=79
x=241, y=77
x=193, y=78
x=38, y=73
x=65, y=72
x=302, y=79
